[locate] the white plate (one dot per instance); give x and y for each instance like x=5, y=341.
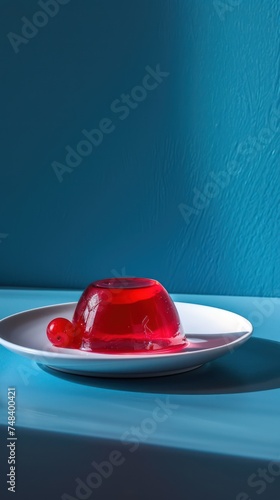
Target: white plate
x=212, y=332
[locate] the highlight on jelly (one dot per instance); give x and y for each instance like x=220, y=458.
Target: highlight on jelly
x=121, y=316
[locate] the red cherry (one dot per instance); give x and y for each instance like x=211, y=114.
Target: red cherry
x=60, y=332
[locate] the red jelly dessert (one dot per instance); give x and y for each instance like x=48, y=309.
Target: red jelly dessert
x=121, y=316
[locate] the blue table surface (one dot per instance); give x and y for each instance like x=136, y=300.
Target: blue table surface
x=229, y=406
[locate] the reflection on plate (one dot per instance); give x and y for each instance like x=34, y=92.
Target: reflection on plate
x=211, y=332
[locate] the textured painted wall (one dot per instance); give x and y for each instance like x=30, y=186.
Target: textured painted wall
x=180, y=178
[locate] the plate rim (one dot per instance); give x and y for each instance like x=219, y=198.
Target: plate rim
x=91, y=356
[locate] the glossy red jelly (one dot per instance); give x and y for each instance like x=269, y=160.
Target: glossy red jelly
x=122, y=315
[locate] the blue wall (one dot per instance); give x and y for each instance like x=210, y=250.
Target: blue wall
x=185, y=187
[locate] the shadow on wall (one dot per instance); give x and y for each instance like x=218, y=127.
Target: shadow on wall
x=141, y=135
